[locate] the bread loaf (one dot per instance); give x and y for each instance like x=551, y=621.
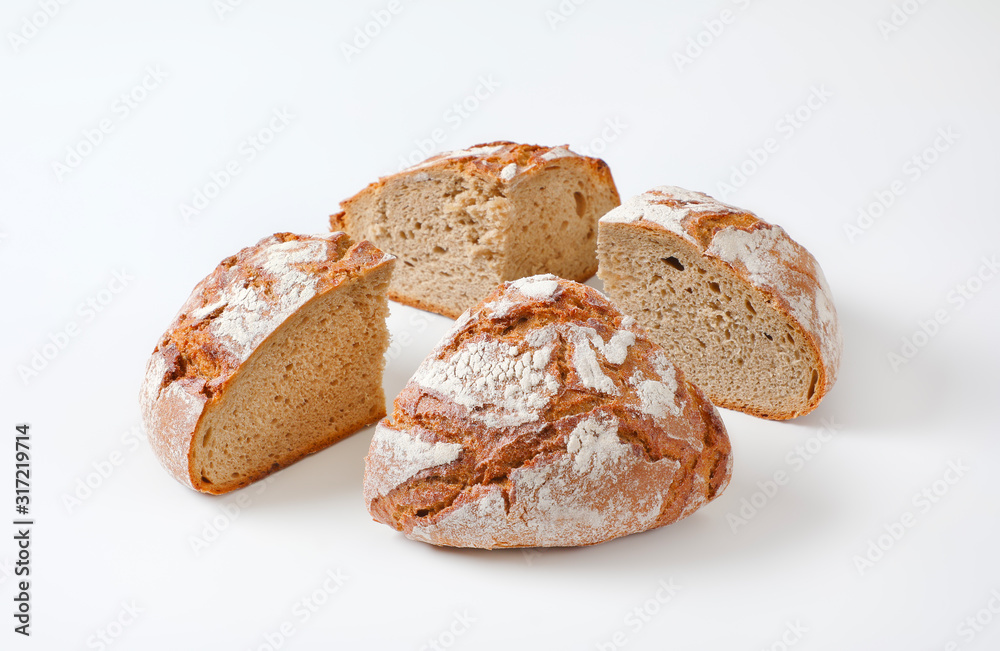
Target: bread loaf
x=739, y=306
x=463, y=221
x=544, y=418
x=276, y=354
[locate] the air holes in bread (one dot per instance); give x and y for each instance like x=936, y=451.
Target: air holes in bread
x=674, y=262
x=812, y=385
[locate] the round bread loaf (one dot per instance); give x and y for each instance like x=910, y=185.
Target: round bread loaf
x=545, y=417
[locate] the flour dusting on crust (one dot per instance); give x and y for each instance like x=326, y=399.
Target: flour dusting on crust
x=605, y=470
x=668, y=206
x=543, y=287
x=403, y=454
x=249, y=313
x=514, y=384
x=560, y=501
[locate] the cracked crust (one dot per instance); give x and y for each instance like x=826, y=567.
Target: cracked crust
x=226, y=320
x=544, y=418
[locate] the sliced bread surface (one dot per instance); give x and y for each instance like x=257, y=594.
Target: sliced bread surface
x=464, y=221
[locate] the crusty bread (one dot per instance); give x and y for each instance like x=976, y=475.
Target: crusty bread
x=464, y=221
x=738, y=305
x=276, y=354
x=544, y=418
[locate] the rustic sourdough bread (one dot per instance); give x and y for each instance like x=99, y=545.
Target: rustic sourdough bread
x=738, y=305
x=463, y=221
x=544, y=418
x=276, y=354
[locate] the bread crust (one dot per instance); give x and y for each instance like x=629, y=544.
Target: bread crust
x=488, y=160
x=213, y=336
x=545, y=417
x=759, y=255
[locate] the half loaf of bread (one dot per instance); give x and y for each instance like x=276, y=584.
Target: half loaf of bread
x=737, y=304
x=277, y=354
x=544, y=418
x=464, y=221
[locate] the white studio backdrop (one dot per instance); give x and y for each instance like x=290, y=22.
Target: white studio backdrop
x=142, y=143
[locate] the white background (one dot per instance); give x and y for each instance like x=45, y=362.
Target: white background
x=65, y=234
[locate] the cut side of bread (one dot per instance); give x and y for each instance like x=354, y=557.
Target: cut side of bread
x=464, y=221
x=277, y=354
x=545, y=417
x=737, y=304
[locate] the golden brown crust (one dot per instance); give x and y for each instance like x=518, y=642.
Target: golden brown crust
x=338, y=221
x=420, y=304
x=585, y=371
x=227, y=317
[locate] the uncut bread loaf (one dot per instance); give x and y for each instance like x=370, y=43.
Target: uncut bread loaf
x=464, y=221
x=277, y=354
x=737, y=304
x=544, y=418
